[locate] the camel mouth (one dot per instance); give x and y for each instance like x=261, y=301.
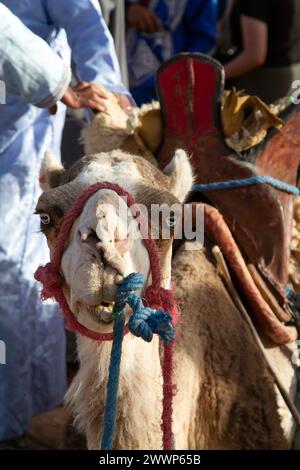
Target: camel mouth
x=99, y=318
x=104, y=312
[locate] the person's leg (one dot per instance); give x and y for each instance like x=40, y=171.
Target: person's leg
x=33, y=379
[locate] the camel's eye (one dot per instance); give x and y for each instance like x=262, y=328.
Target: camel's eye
x=172, y=220
x=45, y=219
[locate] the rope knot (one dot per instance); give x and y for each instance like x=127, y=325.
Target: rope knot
x=50, y=279
x=144, y=322
x=138, y=322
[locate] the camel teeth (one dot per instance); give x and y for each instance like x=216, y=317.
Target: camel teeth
x=104, y=313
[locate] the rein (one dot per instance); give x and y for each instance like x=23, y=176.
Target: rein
x=144, y=320
x=244, y=182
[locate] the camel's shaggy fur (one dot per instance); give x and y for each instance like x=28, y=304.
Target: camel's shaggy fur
x=138, y=132
x=225, y=397
x=234, y=398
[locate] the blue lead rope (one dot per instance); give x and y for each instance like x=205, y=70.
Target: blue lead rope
x=113, y=383
x=232, y=184
x=144, y=322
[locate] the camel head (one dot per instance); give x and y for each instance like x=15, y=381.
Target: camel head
x=105, y=243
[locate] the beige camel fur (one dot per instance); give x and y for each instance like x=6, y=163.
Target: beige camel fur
x=139, y=132
x=225, y=397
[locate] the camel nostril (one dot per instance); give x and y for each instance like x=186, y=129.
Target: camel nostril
x=91, y=243
x=93, y=237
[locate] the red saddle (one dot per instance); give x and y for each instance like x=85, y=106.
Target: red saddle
x=190, y=87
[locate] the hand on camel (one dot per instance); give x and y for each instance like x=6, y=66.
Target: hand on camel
x=84, y=95
x=124, y=102
x=143, y=19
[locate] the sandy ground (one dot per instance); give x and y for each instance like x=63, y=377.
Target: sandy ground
x=49, y=431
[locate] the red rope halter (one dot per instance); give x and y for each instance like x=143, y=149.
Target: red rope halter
x=51, y=279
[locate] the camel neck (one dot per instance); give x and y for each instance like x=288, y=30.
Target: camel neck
x=140, y=390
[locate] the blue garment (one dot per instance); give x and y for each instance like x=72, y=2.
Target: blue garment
x=188, y=26
x=34, y=377
x=22, y=70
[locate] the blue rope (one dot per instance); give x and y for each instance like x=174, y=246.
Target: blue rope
x=143, y=323
x=232, y=184
x=113, y=384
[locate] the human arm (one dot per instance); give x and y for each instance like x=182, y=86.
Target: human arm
x=30, y=69
x=255, y=47
x=28, y=66
x=141, y=18
x=93, y=52
x=254, y=20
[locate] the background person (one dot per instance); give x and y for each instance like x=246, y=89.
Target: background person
x=159, y=29
x=266, y=38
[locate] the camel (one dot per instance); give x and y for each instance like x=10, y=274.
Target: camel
x=225, y=397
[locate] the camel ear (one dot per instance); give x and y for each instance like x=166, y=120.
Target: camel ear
x=180, y=171
x=51, y=172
